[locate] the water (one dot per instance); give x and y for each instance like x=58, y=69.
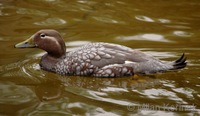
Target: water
x=164, y=29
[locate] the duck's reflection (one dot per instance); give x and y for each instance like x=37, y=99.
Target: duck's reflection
x=49, y=90
x=56, y=86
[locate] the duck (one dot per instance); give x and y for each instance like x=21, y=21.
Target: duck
x=97, y=59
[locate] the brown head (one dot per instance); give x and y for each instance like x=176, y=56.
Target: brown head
x=48, y=40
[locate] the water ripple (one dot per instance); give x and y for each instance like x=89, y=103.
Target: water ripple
x=51, y=21
x=144, y=18
x=108, y=20
x=149, y=37
x=26, y=72
x=26, y=11
x=154, y=93
x=97, y=96
x=152, y=20
x=13, y=98
x=183, y=33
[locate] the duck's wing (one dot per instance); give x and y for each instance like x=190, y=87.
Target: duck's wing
x=103, y=54
x=106, y=54
x=117, y=54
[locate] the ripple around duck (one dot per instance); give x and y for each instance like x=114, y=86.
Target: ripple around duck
x=22, y=72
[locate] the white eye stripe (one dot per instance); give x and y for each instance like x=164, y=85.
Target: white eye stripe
x=51, y=39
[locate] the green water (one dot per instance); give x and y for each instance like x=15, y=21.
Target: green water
x=164, y=29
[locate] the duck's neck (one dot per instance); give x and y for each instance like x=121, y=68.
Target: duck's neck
x=49, y=62
x=56, y=53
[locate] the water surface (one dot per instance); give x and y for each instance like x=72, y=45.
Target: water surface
x=165, y=29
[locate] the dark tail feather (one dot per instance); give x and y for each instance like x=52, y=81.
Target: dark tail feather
x=180, y=63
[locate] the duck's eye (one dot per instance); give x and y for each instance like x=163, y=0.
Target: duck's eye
x=42, y=35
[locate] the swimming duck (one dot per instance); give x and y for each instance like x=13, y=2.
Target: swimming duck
x=95, y=59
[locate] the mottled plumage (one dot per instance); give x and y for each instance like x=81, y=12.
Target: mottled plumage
x=95, y=59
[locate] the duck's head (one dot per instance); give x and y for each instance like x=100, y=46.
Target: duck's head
x=48, y=40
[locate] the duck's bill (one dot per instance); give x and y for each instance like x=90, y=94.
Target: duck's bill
x=26, y=44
